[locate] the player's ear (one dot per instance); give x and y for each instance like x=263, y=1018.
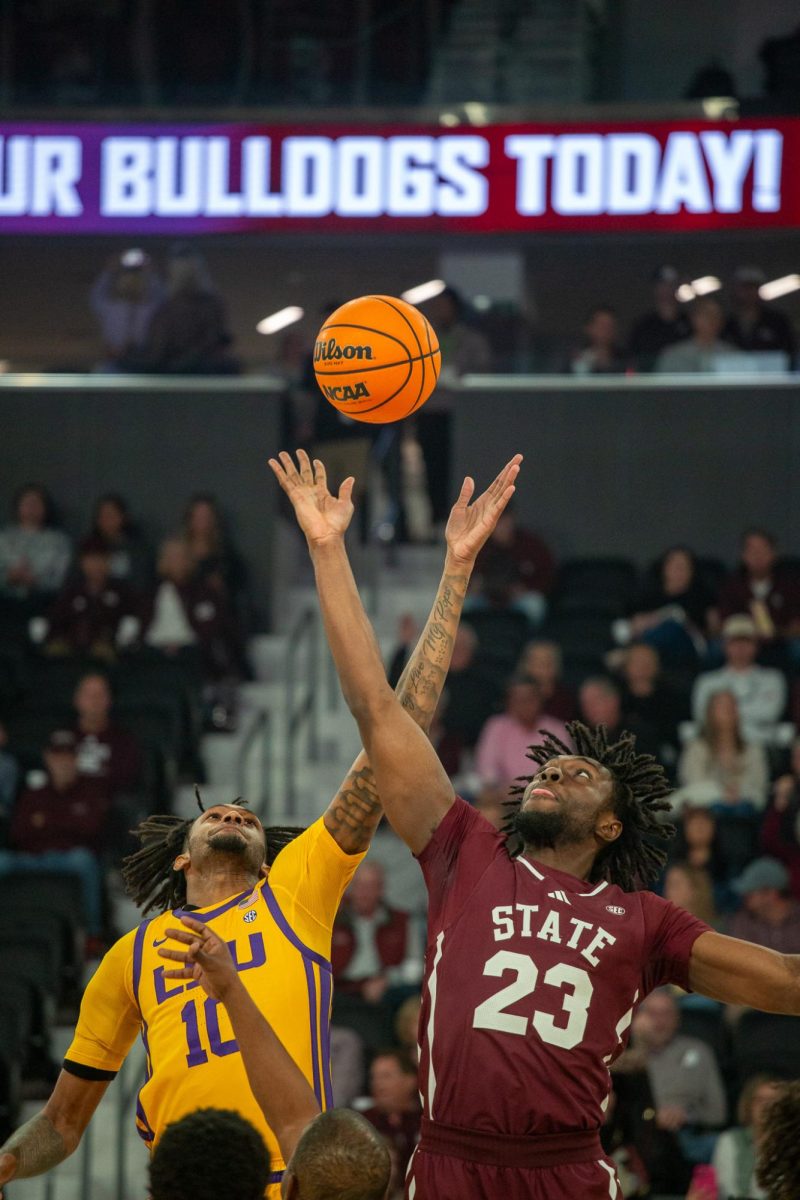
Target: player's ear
x=290, y=1189
x=608, y=828
x=263, y=870
x=181, y=862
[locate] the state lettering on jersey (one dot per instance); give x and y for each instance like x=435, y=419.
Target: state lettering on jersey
x=550, y=925
x=166, y=989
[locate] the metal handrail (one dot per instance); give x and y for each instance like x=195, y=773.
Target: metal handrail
x=301, y=713
x=262, y=728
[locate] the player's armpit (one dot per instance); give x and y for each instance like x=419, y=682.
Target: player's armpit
x=739, y=972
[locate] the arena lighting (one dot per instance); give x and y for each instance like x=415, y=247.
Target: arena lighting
x=424, y=291
x=477, y=113
x=774, y=288
x=280, y=319
x=698, y=287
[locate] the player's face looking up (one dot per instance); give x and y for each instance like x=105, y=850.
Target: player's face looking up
x=569, y=801
x=230, y=830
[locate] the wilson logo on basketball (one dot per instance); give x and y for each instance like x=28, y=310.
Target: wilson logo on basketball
x=346, y=392
x=330, y=351
x=615, y=909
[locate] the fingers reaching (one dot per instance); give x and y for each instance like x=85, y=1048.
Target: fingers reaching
x=321, y=475
x=467, y=490
x=346, y=490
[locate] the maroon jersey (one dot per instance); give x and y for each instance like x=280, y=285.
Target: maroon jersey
x=532, y=978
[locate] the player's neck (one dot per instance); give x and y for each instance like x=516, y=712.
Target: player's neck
x=572, y=860
x=213, y=886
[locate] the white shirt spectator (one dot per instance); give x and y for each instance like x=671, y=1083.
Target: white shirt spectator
x=170, y=626
x=46, y=551
x=760, y=694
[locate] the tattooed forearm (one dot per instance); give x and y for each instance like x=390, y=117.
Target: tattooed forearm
x=420, y=687
x=37, y=1146
x=355, y=811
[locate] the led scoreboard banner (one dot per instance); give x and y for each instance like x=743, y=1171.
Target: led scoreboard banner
x=190, y=179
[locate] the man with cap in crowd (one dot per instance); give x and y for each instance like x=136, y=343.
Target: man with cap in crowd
x=769, y=916
x=763, y=588
x=753, y=325
x=760, y=691
x=58, y=824
x=664, y=325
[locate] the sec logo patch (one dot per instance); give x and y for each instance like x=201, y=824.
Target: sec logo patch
x=250, y=916
x=615, y=909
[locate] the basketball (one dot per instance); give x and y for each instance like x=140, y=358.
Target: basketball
x=377, y=359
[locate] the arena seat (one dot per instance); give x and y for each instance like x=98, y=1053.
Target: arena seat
x=502, y=633
x=766, y=1042
x=706, y=1022
x=712, y=572
x=595, y=585
x=579, y=633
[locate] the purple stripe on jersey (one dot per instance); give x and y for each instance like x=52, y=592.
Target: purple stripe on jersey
x=325, y=1022
x=215, y=912
x=312, y=1010
x=138, y=949
x=275, y=1177
x=149, y=1136
x=287, y=931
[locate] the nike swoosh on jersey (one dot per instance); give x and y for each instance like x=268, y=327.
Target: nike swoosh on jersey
x=159, y=941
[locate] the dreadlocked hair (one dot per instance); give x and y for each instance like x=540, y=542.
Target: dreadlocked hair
x=778, y=1158
x=150, y=879
x=640, y=789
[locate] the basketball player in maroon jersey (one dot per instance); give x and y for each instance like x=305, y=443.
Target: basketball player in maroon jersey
x=536, y=958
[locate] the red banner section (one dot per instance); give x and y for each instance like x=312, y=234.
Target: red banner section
x=189, y=179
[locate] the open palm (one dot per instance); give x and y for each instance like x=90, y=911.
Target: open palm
x=320, y=515
x=469, y=525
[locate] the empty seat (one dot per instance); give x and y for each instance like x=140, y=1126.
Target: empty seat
x=502, y=634
x=579, y=633
x=707, y=1024
x=766, y=1042
x=596, y=585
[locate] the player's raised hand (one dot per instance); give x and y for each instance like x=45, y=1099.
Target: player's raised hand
x=8, y=1169
x=321, y=516
x=469, y=525
x=206, y=958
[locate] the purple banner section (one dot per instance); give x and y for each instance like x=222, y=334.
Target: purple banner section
x=193, y=179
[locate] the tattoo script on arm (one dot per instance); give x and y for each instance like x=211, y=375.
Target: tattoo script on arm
x=37, y=1146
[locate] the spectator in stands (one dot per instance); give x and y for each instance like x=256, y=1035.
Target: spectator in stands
x=514, y=569
x=9, y=782
x=647, y=699
x=602, y=352
x=692, y=889
x=768, y=916
x=465, y=351
x=406, y=1026
x=600, y=703
x=373, y=947
x=129, y=557
x=88, y=614
x=684, y=1076
x=34, y=555
x=761, y=588
x=542, y=661
x=671, y=612
x=395, y=1110
x=720, y=766
x=60, y=826
x=780, y=828
x=214, y=558
x=664, y=325
x=501, y=752
x=754, y=325
x=190, y=620
x=737, y=1148
x=470, y=696
x=124, y=297
x=105, y=752
x=698, y=843
x=404, y=887
x=699, y=352
x=347, y=1065
x=760, y=692
x=188, y=334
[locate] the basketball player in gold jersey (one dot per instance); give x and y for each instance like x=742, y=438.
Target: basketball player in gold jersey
x=274, y=911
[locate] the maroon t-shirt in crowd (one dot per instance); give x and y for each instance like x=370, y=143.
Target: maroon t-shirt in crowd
x=111, y=756
x=532, y=977
x=47, y=819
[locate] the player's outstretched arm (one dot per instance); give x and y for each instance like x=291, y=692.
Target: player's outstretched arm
x=356, y=809
x=412, y=784
x=738, y=972
x=280, y=1087
x=54, y=1133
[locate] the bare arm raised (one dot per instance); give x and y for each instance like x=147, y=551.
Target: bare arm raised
x=412, y=785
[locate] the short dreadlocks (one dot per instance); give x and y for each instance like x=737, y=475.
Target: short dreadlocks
x=640, y=791
x=149, y=877
x=778, y=1163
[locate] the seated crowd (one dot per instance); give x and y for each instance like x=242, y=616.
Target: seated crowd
x=701, y=664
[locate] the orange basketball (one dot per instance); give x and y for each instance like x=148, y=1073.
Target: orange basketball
x=377, y=359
